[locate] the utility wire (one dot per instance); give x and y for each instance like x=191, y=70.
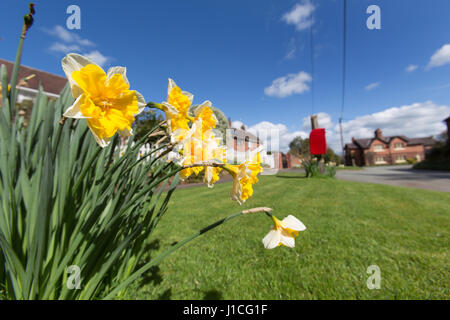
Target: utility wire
x=312, y=58
x=343, y=72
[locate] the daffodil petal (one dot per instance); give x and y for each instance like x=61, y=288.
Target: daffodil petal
x=171, y=85
x=141, y=101
x=272, y=239
x=74, y=110
x=169, y=107
x=101, y=142
x=189, y=95
x=199, y=109
x=74, y=62
x=293, y=223
x=118, y=70
x=286, y=239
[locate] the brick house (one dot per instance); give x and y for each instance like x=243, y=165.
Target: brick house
x=28, y=83
x=381, y=150
x=241, y=142
x=52, y=84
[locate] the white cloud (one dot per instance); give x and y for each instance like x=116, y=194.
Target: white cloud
x=72, y=42
x=440, y=57
x=324, y=120
x=97, y=57
x=275, y=137
x=64, y=48
x=419, y=119
x=67, y=36
x=300, y=16
x=411, y=68
x=372, y=86
x=237, y=124
x=293, y=83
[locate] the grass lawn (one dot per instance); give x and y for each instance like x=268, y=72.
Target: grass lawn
x=350, y=226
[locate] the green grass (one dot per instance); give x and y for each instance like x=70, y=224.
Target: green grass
x=350, y=226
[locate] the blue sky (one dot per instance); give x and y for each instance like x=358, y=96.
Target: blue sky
x=233, y=52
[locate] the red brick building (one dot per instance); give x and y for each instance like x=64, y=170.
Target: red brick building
x=381, y=150
x=52, y=84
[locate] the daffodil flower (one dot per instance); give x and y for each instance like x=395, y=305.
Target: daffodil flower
x=176, y=107
x=213, y=150
x=283, y=232
x=103, y=99
x=245, y=176
x=206, y=114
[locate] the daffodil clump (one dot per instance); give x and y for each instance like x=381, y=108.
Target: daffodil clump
x=91, y=204
x=109, y=106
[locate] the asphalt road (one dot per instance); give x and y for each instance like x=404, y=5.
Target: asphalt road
x=399, y=176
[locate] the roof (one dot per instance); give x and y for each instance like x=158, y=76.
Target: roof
x=242, y=134
x=50, y=82
x=366, y=142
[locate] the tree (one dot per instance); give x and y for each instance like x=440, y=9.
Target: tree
x=145, y=121
x=299, y=147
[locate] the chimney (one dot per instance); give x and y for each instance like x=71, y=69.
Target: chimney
x=243, y=127
x=379, y=134
x=229, y=122
x=353, y=140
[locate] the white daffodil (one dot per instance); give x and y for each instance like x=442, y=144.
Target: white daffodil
x=283, y=232
x=103, y=99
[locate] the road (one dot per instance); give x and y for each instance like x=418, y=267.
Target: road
x=399, y=176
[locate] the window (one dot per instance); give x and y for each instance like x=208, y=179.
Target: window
x=399, y=145
x=379, y=160
x=378, y=147
x=400, y=158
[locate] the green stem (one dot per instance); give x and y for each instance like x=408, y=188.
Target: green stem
x=15, y=74
x=58, y=138
x=86, y=169
x=173, y=248
x=155, y=105
x=28, y=21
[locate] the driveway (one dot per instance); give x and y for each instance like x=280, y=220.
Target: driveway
x=399, y=176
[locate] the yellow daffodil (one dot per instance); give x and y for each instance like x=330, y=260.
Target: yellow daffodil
x=213, y=151
x=103, y=99
x=201, y=147
x=176, y=107
x=283, y=232
x=244, y=177
x=206, y=115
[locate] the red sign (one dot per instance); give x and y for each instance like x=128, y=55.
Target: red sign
x=317, y=142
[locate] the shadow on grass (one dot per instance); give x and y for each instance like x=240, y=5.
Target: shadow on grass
x=291, y=176
x=153, y=275
x=212, y=295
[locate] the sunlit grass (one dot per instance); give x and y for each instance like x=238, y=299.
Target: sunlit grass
x=350, y=227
